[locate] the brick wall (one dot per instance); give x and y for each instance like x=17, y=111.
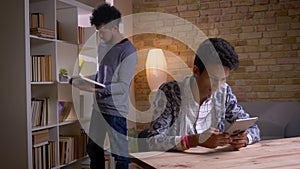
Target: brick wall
x=265, y=33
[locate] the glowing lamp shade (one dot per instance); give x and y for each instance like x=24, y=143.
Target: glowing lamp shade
x=156, y=68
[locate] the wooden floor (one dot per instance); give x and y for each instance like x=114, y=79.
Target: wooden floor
x=86, y=165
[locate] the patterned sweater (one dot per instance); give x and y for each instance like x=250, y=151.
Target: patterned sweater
x=176, y=113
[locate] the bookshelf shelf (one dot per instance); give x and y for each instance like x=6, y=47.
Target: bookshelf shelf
x=63, y=41
x=42, y=38
x=38, y=39
x=43, y=127
x=74, y=161
x=63, y=83
x=53, y=38
x=42, y=83
x=67, y=122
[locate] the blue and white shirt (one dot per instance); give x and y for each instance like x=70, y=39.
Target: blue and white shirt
x=176, y=113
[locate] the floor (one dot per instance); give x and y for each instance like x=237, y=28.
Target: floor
x=108, y=165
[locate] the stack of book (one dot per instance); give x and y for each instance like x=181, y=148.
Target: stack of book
x=42, y=32
x=40, y=137
x=37, y=26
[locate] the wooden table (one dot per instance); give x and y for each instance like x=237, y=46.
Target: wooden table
x=269, y=154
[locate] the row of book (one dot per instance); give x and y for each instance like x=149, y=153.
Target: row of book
x=44, y=155
x=37, y=28
x=43, y=150
x=39, y=111
x=72, y=147
x=41, y=68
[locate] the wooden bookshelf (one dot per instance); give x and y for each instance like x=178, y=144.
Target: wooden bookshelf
x=54, y=44
x=17, y=48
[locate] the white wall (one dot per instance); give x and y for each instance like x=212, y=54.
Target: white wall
x=126, y=10
x=84, y=20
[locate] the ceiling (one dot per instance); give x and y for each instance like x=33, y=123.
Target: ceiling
x=92, y=3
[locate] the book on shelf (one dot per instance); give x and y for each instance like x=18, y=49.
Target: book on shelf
x=41, y=144
x=72, y=147
x=43, y=155
x=40, y=137
x=36, y=20
x=81, y=106
x=80, y=34
x=39, y=111
x=58, y=30
x=67, y=147
x=64, y=110
x=41, y=68
x=42, y=32
x=81, y=142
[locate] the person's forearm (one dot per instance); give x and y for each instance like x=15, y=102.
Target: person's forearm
x=114, y=89
x=163, y=142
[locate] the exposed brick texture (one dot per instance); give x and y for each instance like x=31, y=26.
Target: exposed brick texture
x=265, y=34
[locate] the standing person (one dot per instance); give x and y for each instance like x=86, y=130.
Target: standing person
x=194, y=112
x=117, y=59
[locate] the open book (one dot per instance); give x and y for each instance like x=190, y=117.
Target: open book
x=92, y=81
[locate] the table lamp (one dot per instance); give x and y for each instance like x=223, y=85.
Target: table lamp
x=156, y=68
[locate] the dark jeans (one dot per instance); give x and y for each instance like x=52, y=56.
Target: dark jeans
x=116, y=127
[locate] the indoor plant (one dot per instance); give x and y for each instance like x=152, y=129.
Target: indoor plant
x=63, y=75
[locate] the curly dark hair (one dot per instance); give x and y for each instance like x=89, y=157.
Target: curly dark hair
x=104, y=14
x=213, y=48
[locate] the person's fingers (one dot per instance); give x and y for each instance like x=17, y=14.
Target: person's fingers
x=239, y=143
x=241, y=136
x=223, y=139
x=214, y=130
x=238, y=146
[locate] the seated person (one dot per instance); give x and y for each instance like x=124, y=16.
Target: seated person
x=195, y=111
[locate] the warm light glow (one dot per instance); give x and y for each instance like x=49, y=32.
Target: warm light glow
x=156, y=68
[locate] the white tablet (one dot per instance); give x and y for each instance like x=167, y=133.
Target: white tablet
x=240, y=125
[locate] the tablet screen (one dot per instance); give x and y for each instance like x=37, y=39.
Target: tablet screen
x=240, y=125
